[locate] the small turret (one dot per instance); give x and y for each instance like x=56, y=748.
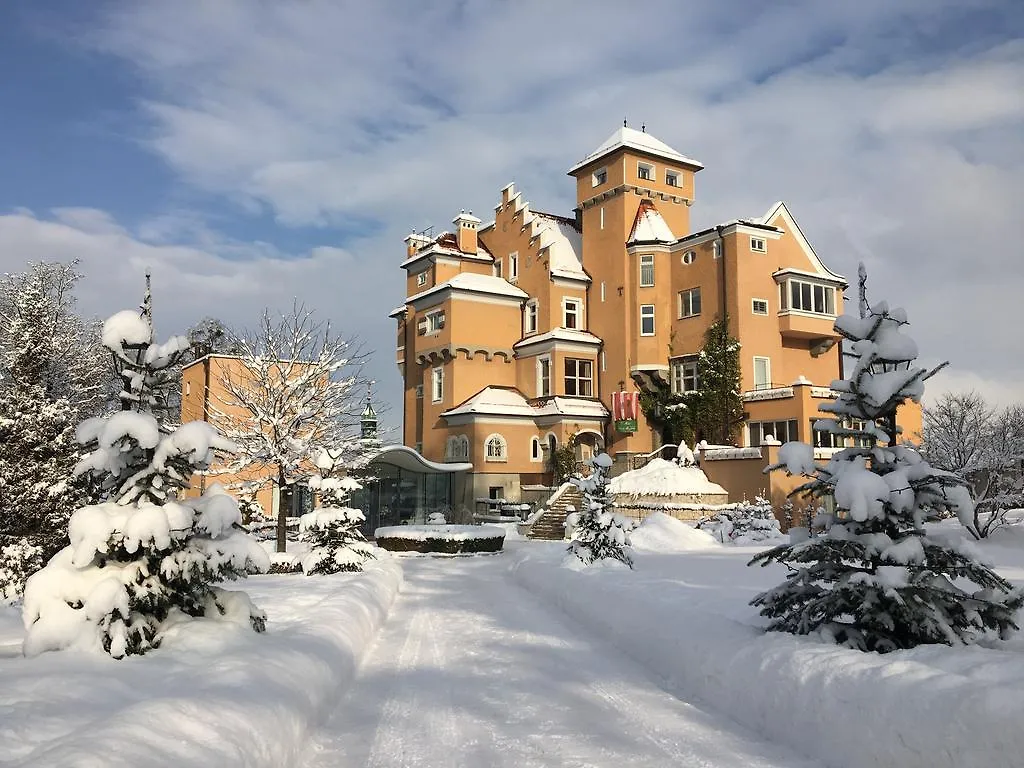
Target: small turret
x=368, y=420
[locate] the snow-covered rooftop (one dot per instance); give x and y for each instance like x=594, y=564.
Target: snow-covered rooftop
x=564, y=245
x=467, y=281
x=559, y=334
x=639, y=140
x=664, y=478
x=506, y=401
x=649, y=226
x=446, y=244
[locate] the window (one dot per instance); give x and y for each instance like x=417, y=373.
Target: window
x=579, y=377
x=496, y=449
x=513, y=265
x=645, y=171
x=762, y=373
x=435, y=321
x=437, y=385
x=600, y=177
x=646, y=319
x=689, y=303
x=530, y=317
x=497, y=267
x=672, y=178
x=689, y=257
x=419, y=391
x=810, y=297
x=757, y=244
x=783, y=431
x=684, y=375
x=188, y=387
x=543, y=376
x=716, y=248
x=421, y=278
x=604, y=363
x=602, y=290
x=602, y=217
x=831, y=440
x=759, y=306
x=536, y=454
x=646, y=270
x=572, y=313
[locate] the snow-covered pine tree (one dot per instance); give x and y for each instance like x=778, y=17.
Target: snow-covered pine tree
x=332, y=531
x=37, y=439
x=877, y=580
x=598, y=532
x=143, y=559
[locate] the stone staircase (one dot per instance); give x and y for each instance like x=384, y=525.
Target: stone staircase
x=551, y=524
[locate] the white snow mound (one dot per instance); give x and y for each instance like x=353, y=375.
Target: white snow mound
x=663, y=478
x=663, y=533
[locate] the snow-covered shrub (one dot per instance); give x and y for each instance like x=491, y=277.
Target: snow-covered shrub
x=436, y=518
x=598, y=532
x=876, y=579
x=143, y=558
x=745, y=523
x=18, y=561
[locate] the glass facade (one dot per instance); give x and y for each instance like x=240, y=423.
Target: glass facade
x=400, y=496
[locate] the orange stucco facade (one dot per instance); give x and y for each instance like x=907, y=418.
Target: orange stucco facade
x=515, y=332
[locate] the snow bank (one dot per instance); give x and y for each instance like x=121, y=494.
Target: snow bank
x=661, y=533
x=664, y=478
x=687, y=620
x=216, y=694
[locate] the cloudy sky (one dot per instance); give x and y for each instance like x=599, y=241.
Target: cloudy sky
x=252, y=152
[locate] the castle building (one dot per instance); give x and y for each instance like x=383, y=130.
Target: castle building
x=516, y=333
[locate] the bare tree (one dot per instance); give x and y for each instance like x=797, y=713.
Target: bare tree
x=295, y=390
x=962, y=433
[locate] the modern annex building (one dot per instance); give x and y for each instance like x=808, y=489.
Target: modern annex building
x=515, y=333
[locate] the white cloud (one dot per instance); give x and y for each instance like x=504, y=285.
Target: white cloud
x=892, y=129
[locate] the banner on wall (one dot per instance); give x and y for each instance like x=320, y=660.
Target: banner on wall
x=625, y=407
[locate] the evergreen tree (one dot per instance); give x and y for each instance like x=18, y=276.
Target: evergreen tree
x=744, y=523
x=598, y=532
x=37, y=446
x=335, y=541
x=876, y=579
x=143, y=558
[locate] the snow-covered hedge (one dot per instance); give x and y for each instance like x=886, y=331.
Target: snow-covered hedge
x=444, y=539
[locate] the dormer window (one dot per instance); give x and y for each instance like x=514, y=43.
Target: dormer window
x=599, y=177
x=673, y=179
x=645, y=171
x=758, y=244
x=421, y=279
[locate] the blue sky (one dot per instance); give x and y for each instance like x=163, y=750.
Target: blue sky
x=249, y=153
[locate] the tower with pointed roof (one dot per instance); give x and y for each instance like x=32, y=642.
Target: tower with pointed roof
x=516, y=332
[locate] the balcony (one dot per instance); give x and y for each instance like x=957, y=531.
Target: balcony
x=796, y=324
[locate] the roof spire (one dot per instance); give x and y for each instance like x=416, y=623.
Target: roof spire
x=147, y=299
x=623, y=122
x=643, y=127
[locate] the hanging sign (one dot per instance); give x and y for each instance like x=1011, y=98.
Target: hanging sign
x=625, y=407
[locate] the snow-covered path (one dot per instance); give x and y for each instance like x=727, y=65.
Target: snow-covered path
x=471, y=670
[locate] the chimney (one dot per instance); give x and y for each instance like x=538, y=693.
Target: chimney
x=414, y=242
x=465, y=231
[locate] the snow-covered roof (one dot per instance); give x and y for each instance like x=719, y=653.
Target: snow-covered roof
x=506, y=401
x=660, y=477
x=407, y=458
x=638, y=140
x=502, y=401
x=467, y=281
x=564, y=245
x=649, y=226
x=397, y=311
x=446, y=244
x=559, y=334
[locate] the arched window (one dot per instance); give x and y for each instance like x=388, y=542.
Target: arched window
x=552, y=443
x=496, y=449
x=463, y=447
x=536, y=454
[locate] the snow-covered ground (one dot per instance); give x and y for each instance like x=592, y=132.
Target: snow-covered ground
x=216, y=695
x=514, y=660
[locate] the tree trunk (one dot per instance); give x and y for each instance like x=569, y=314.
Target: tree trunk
x=282, y=515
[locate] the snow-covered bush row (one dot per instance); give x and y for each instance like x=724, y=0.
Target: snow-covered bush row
x=443, y=539
x=744, y=524
x=216, y=695
x=931, y=707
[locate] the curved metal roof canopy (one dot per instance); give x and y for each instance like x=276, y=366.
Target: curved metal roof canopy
x=406, y=458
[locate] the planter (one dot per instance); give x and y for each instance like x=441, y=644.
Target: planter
x=442, y=539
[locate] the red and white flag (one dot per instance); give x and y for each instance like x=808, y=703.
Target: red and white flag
x=625, y=405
